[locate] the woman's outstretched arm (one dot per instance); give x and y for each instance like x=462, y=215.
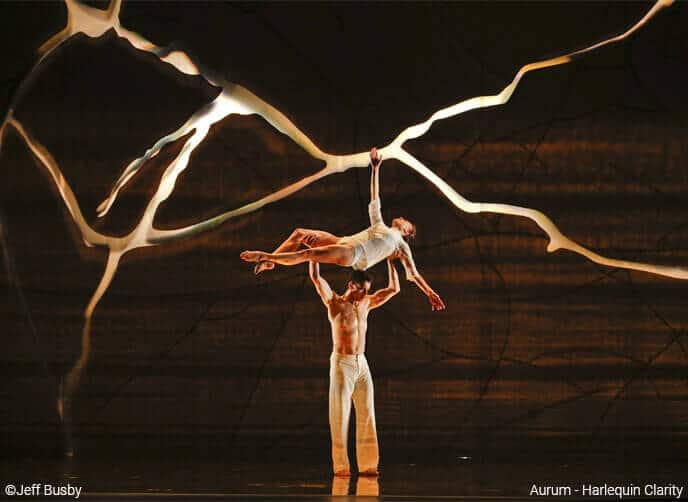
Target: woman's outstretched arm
x=375, y=161
x=436, y=303
x=374, y=207
x=413, y=275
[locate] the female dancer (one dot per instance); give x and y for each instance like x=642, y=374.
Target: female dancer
x=359, y=251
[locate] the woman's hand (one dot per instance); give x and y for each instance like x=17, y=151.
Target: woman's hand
x=375, y=157
x=436, y=302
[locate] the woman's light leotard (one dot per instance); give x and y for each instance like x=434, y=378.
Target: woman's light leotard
x=378, y=242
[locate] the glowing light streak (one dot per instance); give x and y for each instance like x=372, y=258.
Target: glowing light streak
x=235, y=99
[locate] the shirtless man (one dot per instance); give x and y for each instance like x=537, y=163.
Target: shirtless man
x=349, y=373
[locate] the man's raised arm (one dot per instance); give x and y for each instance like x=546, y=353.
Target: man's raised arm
x=381, y=296
x=321, y=285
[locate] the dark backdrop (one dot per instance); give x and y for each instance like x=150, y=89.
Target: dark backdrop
x=190, y=349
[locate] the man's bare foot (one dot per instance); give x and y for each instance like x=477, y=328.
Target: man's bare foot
x=262, y=266
x=252, y=255
x=369, y=472
x=342, y=472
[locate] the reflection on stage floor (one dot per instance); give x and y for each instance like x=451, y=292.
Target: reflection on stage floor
x=463, y=477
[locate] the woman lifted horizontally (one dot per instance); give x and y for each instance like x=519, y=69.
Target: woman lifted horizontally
x=359, y=251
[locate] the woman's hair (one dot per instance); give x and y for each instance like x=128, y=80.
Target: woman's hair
x=412, y=234
x=360, y=277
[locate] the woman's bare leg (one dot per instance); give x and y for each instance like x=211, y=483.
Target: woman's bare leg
x=307, y=237
x=336, y=254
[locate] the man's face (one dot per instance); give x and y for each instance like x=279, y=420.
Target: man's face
x=358, y=291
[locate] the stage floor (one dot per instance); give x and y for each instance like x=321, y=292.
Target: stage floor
x=461, y=479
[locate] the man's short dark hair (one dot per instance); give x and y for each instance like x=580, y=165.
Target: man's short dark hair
x=360, y=277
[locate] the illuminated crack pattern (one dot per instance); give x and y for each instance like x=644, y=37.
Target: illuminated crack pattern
x=235, y=99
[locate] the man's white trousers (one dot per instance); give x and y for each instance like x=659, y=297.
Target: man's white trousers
x=350, y=380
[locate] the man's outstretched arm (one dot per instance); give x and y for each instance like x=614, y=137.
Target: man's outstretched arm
x=381, y=296
x=321, y=285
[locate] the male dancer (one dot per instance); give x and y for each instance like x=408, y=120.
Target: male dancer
x=349, y=373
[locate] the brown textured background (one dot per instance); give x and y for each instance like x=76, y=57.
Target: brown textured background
x=189, y=348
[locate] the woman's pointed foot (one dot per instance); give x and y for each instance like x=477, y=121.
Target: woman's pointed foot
x=251, y=255
x=263, y=266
